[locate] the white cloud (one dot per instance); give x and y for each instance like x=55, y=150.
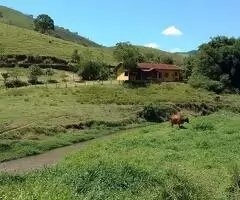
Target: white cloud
x=172, y=31
x=152, y=45
x=175, y=50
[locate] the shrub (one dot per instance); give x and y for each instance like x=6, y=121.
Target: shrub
x=200, y=81
x=203, y=126
x=157, y=113
x=15, y=84
x=136, y=83
x=5, y=76
x=34, y=72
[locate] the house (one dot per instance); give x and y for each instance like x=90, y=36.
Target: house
x=150, y=72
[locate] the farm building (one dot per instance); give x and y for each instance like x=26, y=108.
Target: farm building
x=150, y=72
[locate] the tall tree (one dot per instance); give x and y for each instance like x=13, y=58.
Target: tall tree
x=43, y=23
x=128, y=54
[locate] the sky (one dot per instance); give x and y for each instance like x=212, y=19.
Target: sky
x=170, y=25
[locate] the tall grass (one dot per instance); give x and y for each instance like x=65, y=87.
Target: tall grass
x=154, y=162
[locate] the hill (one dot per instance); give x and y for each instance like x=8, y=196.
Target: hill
x=15, y=40
x=188, y=53
x=16, y=18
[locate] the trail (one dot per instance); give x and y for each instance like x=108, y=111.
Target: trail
x=40, y=161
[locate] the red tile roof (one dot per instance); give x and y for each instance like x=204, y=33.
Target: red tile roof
x=157, y=66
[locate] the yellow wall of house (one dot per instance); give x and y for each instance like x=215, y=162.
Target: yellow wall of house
x=171, y=76
x=121, y=75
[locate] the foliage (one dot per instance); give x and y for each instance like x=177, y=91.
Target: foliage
x=43, y=23
x=199, y=81
x=34, y=73
x=75, y=58
x=5, y=76
x=16, y=72
x=128, y=54
x=49, y=72
x=167, y=60
x=219, y=60
x=154, y=113
x=15, y=83
x=94, y=71
x=188, y=65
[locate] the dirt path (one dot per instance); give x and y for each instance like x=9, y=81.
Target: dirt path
x=48, y=158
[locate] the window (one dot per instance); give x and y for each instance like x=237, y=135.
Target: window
x=126, y=74
x=166, y=74
x=176, y=74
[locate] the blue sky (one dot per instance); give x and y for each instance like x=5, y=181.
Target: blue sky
x=170, y=25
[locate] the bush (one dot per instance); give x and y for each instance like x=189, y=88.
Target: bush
x=94, y=71
x=15, y=84
x=157, y=113
x=200, y=81
x=136, y=83
x=52, y=81
x=34, y=73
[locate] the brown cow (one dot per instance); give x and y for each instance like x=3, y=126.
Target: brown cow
x=178, y=119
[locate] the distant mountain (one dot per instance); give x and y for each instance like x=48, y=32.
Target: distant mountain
x=16, y=18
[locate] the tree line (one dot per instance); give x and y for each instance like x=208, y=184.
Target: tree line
x=216, y=66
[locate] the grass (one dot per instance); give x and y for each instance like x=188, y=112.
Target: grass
x=154, y=162
x=16, y=18
x=15, y=40
x=23, y=111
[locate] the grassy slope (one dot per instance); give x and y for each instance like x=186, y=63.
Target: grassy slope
x=154, y=162
x=21, y=41
x=16, y=18
x=16, y=40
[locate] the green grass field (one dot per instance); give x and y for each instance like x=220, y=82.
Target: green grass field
x=154, y=162
x=35, y=115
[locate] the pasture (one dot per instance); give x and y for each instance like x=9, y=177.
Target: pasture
x=34, y=119
x=153, y=162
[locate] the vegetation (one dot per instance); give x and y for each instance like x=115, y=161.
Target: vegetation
x=16, y=18
x=94, y=71
x=34, y=119
x=154, y=162
x=218, y=62
x=43, y=23
x=34, y=73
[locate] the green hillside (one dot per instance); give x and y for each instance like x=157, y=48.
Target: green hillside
x=16, y=40
x=16, y=18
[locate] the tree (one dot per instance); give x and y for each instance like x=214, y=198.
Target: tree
x=128, y=54
x=219, y=61
x=49, y=73
x=16, y=73
x=92, y=70
x=43, y=23
x=188, y=65
x=167, y=60
x=75, y=58
x=5, y=76
x=34, y=73
x=1, y=15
